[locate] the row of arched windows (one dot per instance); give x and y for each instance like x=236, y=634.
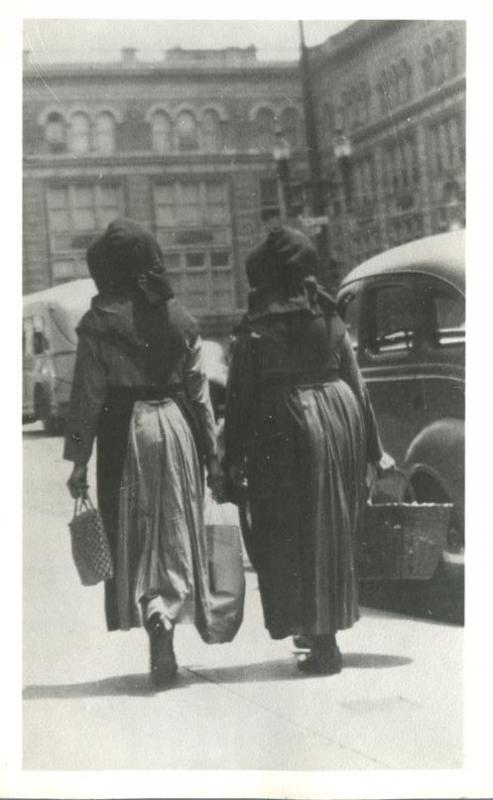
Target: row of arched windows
x=186, y=132
x=396, y=86
x=80, y=134
x=440, y=61
x=83, y=134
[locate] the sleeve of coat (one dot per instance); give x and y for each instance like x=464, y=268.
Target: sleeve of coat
x=197, y=388
x=350, y=373
x=87, y=397
x=239, y=401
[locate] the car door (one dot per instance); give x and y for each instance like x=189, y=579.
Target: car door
x=389, y=357
x=442, y=347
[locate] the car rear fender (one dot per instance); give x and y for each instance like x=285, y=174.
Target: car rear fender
x=438, y=452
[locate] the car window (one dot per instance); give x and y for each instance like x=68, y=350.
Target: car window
x=27, y=336
x=391, y=318
x=39, y=339
x=445, y=313
x=348, y=305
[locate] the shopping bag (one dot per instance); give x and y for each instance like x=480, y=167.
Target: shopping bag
x=90, y=549
x=226, y=574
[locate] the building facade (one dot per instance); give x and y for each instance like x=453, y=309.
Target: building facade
x=187, y=146
x=389, y=99
x=184, y=146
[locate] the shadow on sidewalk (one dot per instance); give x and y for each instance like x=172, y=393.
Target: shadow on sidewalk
x=133, y=685
x=286, y=669
x=138, y=684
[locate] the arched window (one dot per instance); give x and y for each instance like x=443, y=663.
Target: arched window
x=80, y=134
x=394, y=86
x=428, y=68
x=105, y=134
x=363, y=103
x=162, y=133
x=407, y=80
x=452, y=64
x=265, y=129
x=186, y=126
x=386, y=93
x=440, y=60
x=212, y=139
x=291, y=127
x=382, y=96
x=55, y=133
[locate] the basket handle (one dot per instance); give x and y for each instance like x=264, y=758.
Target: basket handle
x=407, y=482
x=83, y=502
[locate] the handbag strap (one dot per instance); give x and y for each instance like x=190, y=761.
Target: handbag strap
x=406, y=481
x=83, y=503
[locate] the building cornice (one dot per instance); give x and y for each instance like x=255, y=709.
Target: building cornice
x=42, y=72
x=189, y=161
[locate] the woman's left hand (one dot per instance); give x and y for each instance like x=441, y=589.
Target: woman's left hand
x=77, y=483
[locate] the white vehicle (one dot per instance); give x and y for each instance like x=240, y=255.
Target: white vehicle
x=49, y=342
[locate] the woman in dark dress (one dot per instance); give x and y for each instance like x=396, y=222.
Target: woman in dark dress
x=139, y=389
x=299, y=432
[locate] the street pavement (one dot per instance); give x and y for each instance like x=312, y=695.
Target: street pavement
x=88, y=705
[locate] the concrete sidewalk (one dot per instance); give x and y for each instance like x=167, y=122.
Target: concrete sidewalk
x=88, y=704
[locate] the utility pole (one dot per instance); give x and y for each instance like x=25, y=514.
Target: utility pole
x=316, y=194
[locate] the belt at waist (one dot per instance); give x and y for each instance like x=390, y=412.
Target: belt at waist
x=122, y=395
x=301, y=379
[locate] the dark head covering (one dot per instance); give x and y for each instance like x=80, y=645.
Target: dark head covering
x=126, y=255
x=281, y=272
x=121, y=261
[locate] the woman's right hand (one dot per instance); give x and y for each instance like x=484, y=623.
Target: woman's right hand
x=385, y=466
x=77, y=483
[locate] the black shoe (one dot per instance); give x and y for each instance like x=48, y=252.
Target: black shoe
x=302, y=642
x=163, y=668
x=322, y=663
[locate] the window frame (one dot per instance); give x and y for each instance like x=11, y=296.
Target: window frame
x=430, y=329
x=368, y=313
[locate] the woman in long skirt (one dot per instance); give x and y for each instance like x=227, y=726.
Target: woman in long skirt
x=139, y=389
x=300, y=431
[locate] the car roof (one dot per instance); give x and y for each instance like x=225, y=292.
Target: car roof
x=441, y=256
x=73, y=295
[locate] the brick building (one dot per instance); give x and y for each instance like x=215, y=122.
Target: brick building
x=184, y=146
x=389, y=98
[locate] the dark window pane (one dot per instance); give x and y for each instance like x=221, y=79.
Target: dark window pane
x=195, y=260
x=445, y=314
x=220, y=258
x=393, y=319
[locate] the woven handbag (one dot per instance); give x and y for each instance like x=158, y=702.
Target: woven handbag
x=90, y=548
x=401, y=541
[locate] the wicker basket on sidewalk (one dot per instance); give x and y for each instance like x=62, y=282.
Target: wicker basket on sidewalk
x=401, y=541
